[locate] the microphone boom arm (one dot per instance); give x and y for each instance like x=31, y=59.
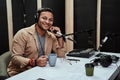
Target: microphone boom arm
x=71, y=39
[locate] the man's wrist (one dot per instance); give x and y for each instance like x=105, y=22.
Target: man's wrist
x=32, y=62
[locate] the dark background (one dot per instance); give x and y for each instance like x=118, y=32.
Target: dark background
x=4, y=43
x=110, y=25
x=85, y=23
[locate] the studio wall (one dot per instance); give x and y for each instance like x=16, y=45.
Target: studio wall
x=23, y=13
x=110, y=25
x=4, y=45
x=85, y=23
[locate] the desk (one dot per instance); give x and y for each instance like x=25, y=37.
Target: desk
x=65, y=71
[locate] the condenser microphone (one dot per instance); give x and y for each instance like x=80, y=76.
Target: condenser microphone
x=105, y=39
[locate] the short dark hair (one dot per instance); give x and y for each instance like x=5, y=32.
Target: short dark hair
x=44, y=10
x=39, y=11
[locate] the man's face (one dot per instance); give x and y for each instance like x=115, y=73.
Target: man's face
x=45, y=20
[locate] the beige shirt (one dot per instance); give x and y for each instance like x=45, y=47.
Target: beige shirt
x=25, y=46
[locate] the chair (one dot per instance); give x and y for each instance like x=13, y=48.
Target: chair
x=4, y=61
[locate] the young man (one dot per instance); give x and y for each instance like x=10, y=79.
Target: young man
x=31, y=45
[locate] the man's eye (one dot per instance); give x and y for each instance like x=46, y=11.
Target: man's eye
x=44, y=18
x=51, y=20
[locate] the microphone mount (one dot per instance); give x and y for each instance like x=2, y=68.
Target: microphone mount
x=70, y=39
x=66, y=36
x=103, y=41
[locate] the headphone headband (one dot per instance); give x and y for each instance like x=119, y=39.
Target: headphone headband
x=38, y=12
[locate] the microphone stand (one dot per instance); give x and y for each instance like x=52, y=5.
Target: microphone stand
x=66, y=36
x=99, y=47
x=70, y=34
x=103, y=41
x=70, y=39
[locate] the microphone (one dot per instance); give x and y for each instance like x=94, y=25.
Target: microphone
x=64, y=36
x=105, y=39
x=108, y=35
x=58, y=33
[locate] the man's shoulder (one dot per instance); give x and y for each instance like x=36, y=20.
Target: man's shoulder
x=30, y=29
x=26, y=31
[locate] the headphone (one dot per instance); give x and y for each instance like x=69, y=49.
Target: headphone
x=114, y=58
x=105, y=60
x=36, y=16
x=38, y=12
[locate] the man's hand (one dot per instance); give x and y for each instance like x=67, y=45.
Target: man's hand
x=42, y=61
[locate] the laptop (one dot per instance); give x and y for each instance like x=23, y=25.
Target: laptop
x=84, y=53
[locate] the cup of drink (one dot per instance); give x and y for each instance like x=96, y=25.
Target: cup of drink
x=52, y=58
x=89, y=68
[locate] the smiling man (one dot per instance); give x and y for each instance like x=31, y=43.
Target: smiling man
x=32, y=45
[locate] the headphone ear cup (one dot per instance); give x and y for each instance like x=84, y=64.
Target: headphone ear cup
x=105, y=60
x=114, y=58
x=36, y=17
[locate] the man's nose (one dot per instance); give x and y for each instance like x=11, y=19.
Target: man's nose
x=47, y=21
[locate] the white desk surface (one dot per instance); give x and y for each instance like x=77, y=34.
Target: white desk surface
x=64, y=71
